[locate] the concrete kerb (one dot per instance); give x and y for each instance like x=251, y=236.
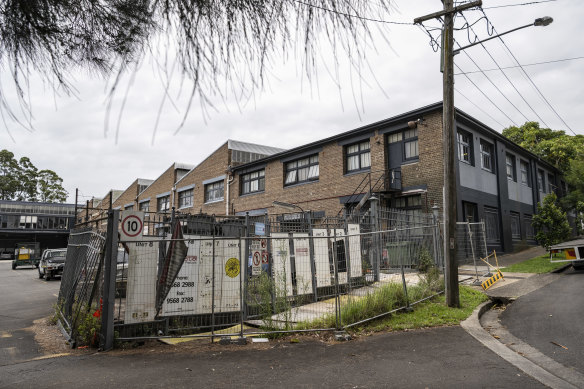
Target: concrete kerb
x=474, y=328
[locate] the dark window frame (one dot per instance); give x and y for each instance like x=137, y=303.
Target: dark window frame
x=515, y=224
x=184, y=196
x=215, y=188
x=293, y=168
x=524, y=173
x=163, y=203
x=411, y=137
x=512, y=165
x=487, y=153
x=246, y=179
x=359, y=153
x=465, y=147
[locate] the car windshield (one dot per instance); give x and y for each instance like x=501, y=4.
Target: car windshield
x=57, y=254
x=122, y=256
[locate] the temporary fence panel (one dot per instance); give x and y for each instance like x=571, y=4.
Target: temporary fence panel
x=339, y=258
x=141, y=282
x=302, y=266
x=321, y=257
x=355, y=250
x=231, y=270
x=182, y=299
x=281, y=266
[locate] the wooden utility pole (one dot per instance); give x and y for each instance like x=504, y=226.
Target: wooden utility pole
x=449, y=145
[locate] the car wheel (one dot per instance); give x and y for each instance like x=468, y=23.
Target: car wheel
x=47, y=276
x=41, y=275
x=13, y=266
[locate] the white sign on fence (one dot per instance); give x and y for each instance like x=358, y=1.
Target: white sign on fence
x=132, y=226
x=141, y=283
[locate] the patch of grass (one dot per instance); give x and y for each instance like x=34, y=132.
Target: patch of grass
x=432, y=313
x=534, y=265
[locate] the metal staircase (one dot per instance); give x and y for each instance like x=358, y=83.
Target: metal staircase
x=374, y=182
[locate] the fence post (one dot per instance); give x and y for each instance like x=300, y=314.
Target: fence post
x=243, y=265
x=312, y=259
x=109, y=282
x=375, y=237
x=347, y=251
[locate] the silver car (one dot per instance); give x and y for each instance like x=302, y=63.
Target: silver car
x=52, y=263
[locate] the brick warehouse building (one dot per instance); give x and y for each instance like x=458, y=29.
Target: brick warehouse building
x=400, y=159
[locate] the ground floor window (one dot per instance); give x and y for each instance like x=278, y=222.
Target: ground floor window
x=529, y=233
x=492, y=224
x=515, y=225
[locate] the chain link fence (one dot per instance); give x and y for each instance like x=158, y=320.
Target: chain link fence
x=208, y=276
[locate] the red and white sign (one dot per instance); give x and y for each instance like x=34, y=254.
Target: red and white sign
x=132, y=226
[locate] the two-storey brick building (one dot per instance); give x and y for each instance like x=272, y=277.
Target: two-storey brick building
x=401, y=160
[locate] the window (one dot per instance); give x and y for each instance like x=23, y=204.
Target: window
x=394, y=138
x=464, y=147
x=524, y=168
x=358, y=156
x=551, y=186
x=470, y=212
x=515, y=226
x=185, y=198
x=492, y=224
x=529, y=233
x=144, y=206
x=510, y=162
x=253, y=182
x=302, y=170
x=142, y=188
x=411, y=144
x=214, y=192
x=409, y=202
x=129, y=207
x=540, y=181
x=163, y=203
x=486, y=156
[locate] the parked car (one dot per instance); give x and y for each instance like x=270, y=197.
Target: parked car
x=52, y=263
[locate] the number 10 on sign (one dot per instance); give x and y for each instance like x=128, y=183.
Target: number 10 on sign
x=132, y=225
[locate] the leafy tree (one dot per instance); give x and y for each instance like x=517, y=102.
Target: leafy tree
x=50, y=189
x=22, y=181
x=9, y=171
x=555, y=147
x=579, y=222
x=209, y=42
x=550, y=222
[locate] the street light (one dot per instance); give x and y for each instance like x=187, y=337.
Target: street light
x=543, y=21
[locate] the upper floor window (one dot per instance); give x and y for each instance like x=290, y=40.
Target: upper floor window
x=464, y=147
x=510, y=164
x=551, y=185
x=302, y=170
x=524, y=169
x=253, y=182
x=144, y=206
x=358, y=156
x=540, y=181
x=163, y=203
x=185, y=198
x=411, y=144
x=214, y=191
x=486, y=155
x=129, y=207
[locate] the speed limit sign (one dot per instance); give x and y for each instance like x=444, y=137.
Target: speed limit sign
x=132, y=225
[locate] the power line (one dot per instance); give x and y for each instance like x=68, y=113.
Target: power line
x=525, y=65
x=353, y=16
x=507, y=78
x=484, y=94
x=476, y=105
x=529, y=78
x=520, y=4
x=494, y=85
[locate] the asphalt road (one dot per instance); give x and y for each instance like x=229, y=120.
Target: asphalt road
x=24, y=298
x=435, y=358
x=553, y=313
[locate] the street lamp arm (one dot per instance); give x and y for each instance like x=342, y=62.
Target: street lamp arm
x=546, y=20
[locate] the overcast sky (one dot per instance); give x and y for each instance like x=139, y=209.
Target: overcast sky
x=404, y=75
